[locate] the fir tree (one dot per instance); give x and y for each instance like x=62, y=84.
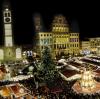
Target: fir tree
x=49, y=71
x=47, y=62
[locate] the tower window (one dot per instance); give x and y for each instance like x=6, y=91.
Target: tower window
x=8, y=14
x=5, y=14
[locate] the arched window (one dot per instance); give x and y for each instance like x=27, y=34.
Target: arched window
x=5, y=15
x=8, y=14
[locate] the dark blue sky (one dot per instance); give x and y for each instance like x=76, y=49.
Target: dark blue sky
x=82, y=16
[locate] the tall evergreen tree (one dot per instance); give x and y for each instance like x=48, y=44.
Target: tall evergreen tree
x=48, y=67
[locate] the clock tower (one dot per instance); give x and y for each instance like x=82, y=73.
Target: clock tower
x=9, y=52
x=7, y=21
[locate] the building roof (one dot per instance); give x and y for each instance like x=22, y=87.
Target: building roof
x=16, y=89
x=3, y=70
x=19, y=90
x=5, y=91
x=69, y=73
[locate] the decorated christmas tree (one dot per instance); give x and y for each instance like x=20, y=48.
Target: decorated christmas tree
x=48, y=67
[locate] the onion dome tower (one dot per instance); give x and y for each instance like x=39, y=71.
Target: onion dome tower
x=38, y=23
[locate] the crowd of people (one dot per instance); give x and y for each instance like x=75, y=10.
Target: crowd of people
x=68, y=93
x=44, y=92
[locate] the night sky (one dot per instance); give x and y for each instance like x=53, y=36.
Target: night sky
x=83, y=17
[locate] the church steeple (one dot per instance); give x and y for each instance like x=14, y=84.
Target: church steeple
x=9, y=51
x=38, y=23
x=7, y=21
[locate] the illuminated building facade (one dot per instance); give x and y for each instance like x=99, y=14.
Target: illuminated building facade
x=60, y=32
x=94, y=44
x=61, y=40
x=74, y=48
x=38, y=36
x=7, y=27
x=64, y=41
x=37, y=23
x=60, y=24
x=43, y=39
x=85, y=45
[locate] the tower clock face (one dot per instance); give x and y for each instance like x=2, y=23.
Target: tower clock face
x=7, y=19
